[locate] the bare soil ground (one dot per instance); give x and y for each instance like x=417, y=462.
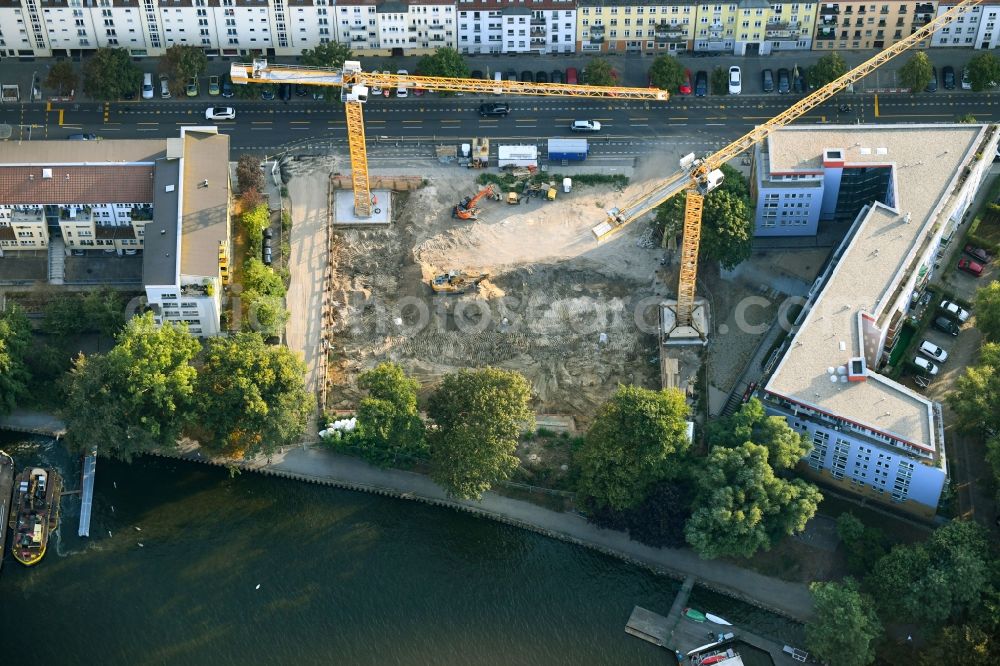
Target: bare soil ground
x=552, y=293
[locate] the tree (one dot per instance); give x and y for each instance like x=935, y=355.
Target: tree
x=828, y=68
x=110, y=73
x=917, y=73
x=937, y=580
x=785, y=446
x=638, y=438
x=599, y=73
x=331, y=54
x=261, y=279
x=104, y=308
x=15, y=342
x=659, y=520
x=727, y=223
x=180, y=62
x=137, y=397
x=252, y=397
x=864, y=545
x=743, y=506
x=266, y=314
x=254, y=221
x=967, y=119
x=444, y=61
x=719, y=81
x=845, y=624
x=65, y=315
x=984, y=71
x=248, y=173
x=478, y=415
x=61, y=77
x=388, y=421
x=666, y=73
x=976, y=398
x=988, y=311
x=965, y=644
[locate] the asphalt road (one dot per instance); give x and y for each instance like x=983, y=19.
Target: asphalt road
x=271, y=126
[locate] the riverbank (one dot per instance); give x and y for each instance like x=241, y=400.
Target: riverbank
x=33, y=423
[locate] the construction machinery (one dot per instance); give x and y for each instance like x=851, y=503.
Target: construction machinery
x=456, y=282
x=699, y=176
x=355, y=84
x=468, y=210
x=480, y=156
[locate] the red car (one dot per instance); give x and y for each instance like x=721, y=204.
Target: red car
x=685, y=88
x=977, y=253
x=571, y=75
x=970, y=267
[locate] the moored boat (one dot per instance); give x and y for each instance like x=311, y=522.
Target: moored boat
x=6, y=490
x=35, y=513
x=717, y=620
x=693, y=614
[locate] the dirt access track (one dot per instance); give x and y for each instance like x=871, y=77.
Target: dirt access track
x=558, y=307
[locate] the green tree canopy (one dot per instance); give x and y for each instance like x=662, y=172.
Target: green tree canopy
x=976, y=398
x=251, y=397
x=388, y=421
x=934, y=581
x=15, y=341
x=599, y=73
x=785, y=446
x=110, y=73
x=65, y=316
x=62, y=77
x=266, y=314
x=666, y=73
x=828, y=68
x=967, y=119
x=180, y=62
x=743, y=507
x=331, y=54
x=104, y=308
x=638, y=438
x=478, y=415
x=988, y=311
x=864, y=545
x=917, y=73
x=137, y=397
x=984, y=71
x=966, y=644
x=845, y=625
x=261, y=279
x=445, y=61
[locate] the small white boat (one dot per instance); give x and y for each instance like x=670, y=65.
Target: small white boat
x=715, y=619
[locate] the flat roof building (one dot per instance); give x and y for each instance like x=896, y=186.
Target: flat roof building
x=869, y=432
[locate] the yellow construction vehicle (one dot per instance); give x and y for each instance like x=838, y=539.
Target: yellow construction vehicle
x=550, y=195
x=354, y=85
x=456, y=282
x=468, y=210
x=513, y=198
x=697, y=177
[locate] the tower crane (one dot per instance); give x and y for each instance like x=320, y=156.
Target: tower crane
x=355, y=84
x=697, y=177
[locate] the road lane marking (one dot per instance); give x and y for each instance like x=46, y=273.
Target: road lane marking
x=71, y=126
x=678, y=118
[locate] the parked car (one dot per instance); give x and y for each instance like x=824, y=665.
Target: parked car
x=227, y=87
x=784, y=82
x=571, y=77
x=800, y=80
x=284, y=91
x=954, y=310
x=320, y=95
x=301, y=90
x=511, y=75
x=971, y=267
x=557, y=76
x=701, y=83
x=220, y=113
x=541, y=77
x=735, y=80
x=933, y=83
x=387, y=90
x=266, y=255
x=213, y=86
x=685, y=88
x=494, y=109
x=147, y=86
x=401, y=90
x=927, y=366
x=948, y=77
x=767, y=80
x=966, y=80
x=946, y=325
x=82, y=137
x=164, y=87
x=586, y=126
x=267, y=91
x=977, y=253
x=527, y=77
x=931, y=350
x=191, y=89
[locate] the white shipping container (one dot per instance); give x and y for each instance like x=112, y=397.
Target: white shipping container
x=519, y=156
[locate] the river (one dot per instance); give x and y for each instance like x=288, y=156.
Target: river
x=177, y=551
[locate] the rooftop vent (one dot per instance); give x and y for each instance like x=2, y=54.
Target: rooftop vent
x=168, y=188
x=46, y=173
x=857, y=370
x=866, y=151
x=833, y=155
x=881, y=151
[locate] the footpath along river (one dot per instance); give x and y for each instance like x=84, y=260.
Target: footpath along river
x=345, y=578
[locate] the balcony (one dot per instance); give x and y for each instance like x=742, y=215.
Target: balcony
x=829, y=10
x=829, y=20
x=597, y=39
x=75, y=214
x=666, y=32
x=921, y=19
x=537, y=32
x=537, y=20
x=538, y=41
x=924, y=8
x=436, y=26
x=826, y=33
x=782, y=30
x=27, y=217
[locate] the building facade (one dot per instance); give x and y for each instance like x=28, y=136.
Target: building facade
x=498, y=26
x=870, y=434
x=634, y=26
x=977, y=26
x=755, y=27
x=871, y=25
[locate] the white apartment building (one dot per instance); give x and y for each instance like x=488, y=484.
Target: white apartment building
x=499, y=26
x=397, y=27
x=977, y=26
x=870, y=434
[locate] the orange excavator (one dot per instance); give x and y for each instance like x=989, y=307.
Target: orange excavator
x=468, y=210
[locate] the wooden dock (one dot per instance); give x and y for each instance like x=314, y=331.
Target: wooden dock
x=87, y=496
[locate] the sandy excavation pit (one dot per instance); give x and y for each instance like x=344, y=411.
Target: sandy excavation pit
x=558, y=308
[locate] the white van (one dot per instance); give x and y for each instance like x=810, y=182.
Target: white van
x=498, y=77
x=147, y=86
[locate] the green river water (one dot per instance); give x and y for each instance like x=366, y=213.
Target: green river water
x=345, y=578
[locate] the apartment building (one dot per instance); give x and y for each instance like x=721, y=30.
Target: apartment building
x=870, y=434
x=634, y=26
x=975, y=26
x=91, y=196
x=499, y=26
x=188, y=242
x=871, y=25
x=397, y=27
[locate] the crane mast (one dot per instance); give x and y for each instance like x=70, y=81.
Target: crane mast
x=697, y=177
